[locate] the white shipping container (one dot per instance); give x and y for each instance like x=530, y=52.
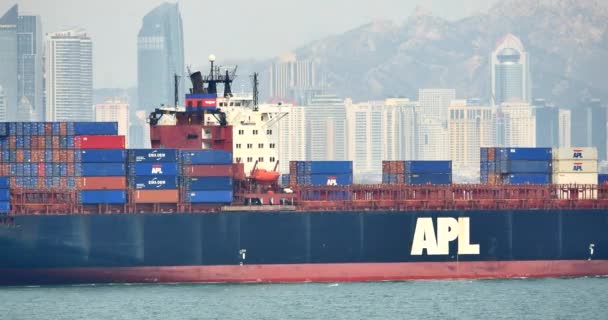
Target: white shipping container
x=575, y=166
x=575, y=178
x=574, y=153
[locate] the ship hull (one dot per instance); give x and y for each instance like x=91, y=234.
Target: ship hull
x=302, y=246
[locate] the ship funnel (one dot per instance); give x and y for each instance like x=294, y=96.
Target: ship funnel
x=197, y=82
x=227, y=89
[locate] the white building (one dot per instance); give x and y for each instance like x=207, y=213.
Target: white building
x=365, y=133
x=565, y=128
x=510, y=69
x=69, y=76
x=432, y=117
x=326, y=128
x=470, y=127
x=515, y=125
x=400, y=132
x=292, y=79
x=115, y=110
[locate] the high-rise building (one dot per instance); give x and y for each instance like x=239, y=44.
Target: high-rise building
x=30, y=85
x=115, y=110
x=139, y=130
x=292, y=79
x=547, y=125
x=69, y=76
x=400, y=134
x=365, y=134
x=470, y=127
x=510, y=68
x=432, y=116
x=160, y=58
x=9, y=59
x=515, y=125
x=589, y=126
x=326, y=128
x=3, y=113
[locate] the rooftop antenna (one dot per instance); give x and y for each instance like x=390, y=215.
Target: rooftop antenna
x=255, y=91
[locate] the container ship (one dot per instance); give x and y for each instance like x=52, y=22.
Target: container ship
x=78, y=207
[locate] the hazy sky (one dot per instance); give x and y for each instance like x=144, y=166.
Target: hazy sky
x=231, y=29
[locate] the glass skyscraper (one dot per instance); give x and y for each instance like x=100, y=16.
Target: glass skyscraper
x=510, y=67
x=30, y=82
x=160, y=57
x=8, y=60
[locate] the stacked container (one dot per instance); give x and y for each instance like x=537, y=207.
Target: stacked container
x=101, y=175
x=575, y=166
x=207, y=176
x=5, y=195
x=319, y=173
x=154, y=175
x=602, y=178
x=515, y=165
x=417, y=172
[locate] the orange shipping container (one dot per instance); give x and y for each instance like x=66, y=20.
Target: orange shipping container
x=63, y=128
x=56, y=155
x=155, y=196
x=101, y=183
x=19, y=156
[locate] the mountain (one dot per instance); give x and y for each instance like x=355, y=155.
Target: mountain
x=567, y=41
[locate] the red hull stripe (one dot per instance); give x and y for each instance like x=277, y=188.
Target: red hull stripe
x=335, y=272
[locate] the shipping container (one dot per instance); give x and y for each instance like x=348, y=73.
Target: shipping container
x=5, y=207
x=205, y=157
x=153, y=155
x=602, y=178
x=215, y=196
x=99, y=142
x=103, y=196
x=575, y=178
x=525, y=154
x=525, y=166
x=575, y=166
x=422, y=166
x=4, y=129
x=339, y=179
x=5, y=182
x=207, y=183
x=5, y=195
x=94, y=128
x=428, y=178
x=155, y=196
x=101, y=155
x=526, y=178
x=101, y=183
x=100, y=169
x=284, y=180
x=146, y=169
x=153, y=182
x=207, y=170
x=575, y=153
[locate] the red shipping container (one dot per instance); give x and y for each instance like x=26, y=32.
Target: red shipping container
x=70, y=169
x=207, y=170
x=155, y=196
x=55, y=142
x=12, y=142
x=63, y=182
x=101, y=183
x=56, y=154
x=37, y=155
x=99, y=142
x=41, y=169
x=63, y=128
x=5, y=169
x=19, y=156
x=70, y=156
x=48, y=128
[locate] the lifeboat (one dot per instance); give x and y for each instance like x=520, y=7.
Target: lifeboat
x=264, y=176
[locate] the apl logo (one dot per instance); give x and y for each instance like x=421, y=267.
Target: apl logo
x=332, y=181
x=157, y=169
x=438, y=243
x=577, y=154
x=578, y=166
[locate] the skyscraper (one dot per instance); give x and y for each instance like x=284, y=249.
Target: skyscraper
x=30, y=85
x=326, y=128
x=432, y=117
x=115, y=110
x=293, y=79
x=589, y=126
x=400, y=130
x=69, y=76
x=510, y=68
x=365, y=136
x=470, y=127
x=515, y=125
x=8, y=59
x=160, y=57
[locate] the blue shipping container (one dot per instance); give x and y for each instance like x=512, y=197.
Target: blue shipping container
x=208, y=183
x=223, y=196
x=95, y=128
x=100, y=169
x=428, y=166
x=524, y=154
x=5, y=182
x=526, y=178
x=100, y=155
x=428, y=178
x=5, y=195
x=5, y=206
x=602, y=178
x=3, y=129
x=389, y=178
x=153, y=155
x=153, y=182
x=103, y=196
x=147, y=169
x=341, y=179
x=525, y=166
x=206, y=157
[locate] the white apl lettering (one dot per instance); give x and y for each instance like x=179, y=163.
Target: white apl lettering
x=448, y=230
